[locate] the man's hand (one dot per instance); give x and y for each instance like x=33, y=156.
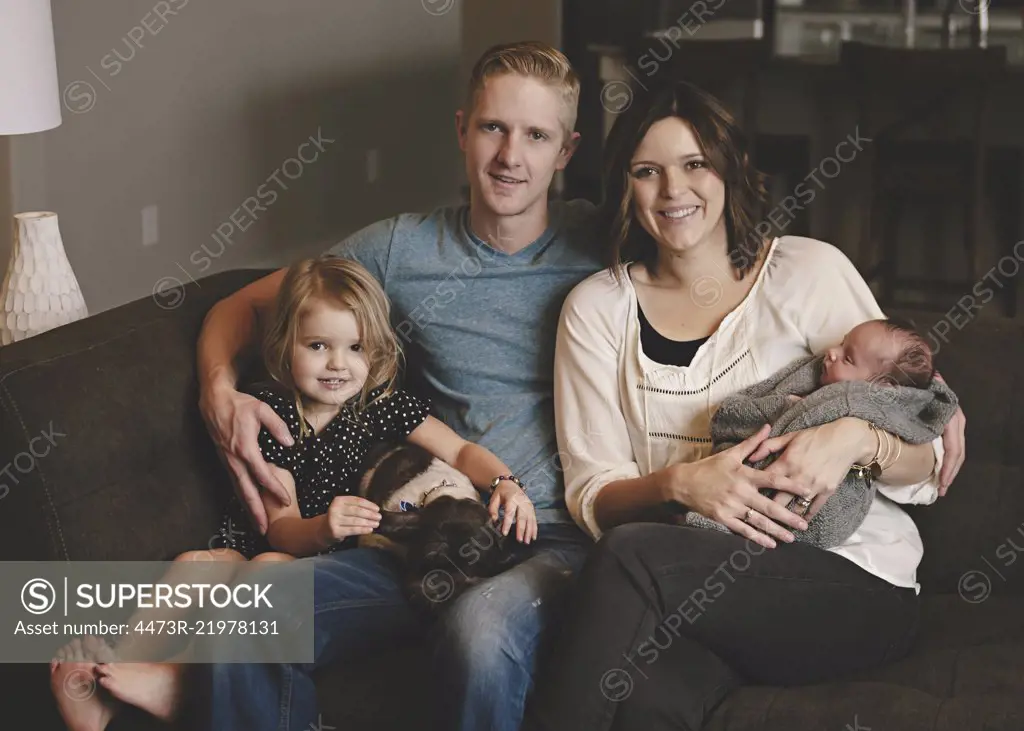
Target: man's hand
x=233, y=420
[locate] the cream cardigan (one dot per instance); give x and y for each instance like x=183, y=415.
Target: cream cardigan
x=620, y=415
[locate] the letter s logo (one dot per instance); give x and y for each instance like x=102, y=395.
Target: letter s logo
x=43, y=594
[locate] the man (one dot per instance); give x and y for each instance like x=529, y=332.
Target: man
x=476, y=292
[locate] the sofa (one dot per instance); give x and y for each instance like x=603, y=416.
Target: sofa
x=135, y=477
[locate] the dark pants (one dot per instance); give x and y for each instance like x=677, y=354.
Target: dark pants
x=667, y=620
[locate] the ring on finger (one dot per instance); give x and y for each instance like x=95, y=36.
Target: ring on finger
x=803, y=504
x=749, y=514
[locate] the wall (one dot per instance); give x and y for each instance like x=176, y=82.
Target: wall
x=6, y=203
x=488, y=22
x=201, y=108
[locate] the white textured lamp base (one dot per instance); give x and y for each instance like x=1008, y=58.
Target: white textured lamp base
x=40, y=291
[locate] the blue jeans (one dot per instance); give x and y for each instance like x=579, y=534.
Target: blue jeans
x=484, y=646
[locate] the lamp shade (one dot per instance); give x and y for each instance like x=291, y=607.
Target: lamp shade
x=29, y=95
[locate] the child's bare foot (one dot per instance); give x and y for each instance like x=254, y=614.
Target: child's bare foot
x=153, y=687
x=82, y=705
x=89, y=649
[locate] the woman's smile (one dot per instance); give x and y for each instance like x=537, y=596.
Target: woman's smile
x=679, y=213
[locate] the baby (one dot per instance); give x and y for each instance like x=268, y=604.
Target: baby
x=883, y=372
x=886, y=352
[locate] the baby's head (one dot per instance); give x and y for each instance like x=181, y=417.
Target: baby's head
x=330, y=338
x=888, y=352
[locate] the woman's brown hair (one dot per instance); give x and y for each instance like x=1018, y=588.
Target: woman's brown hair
x=349, y=285
x=724, y=146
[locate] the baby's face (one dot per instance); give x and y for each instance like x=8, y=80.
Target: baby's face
x=865, y=353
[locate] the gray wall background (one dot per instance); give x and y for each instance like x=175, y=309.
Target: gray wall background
x=209, y=102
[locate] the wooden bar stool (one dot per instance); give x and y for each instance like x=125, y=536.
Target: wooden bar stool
x=925, y=112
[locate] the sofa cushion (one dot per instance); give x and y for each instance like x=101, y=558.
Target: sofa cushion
x=966, y=671
x=968, y=533
x=125, y=469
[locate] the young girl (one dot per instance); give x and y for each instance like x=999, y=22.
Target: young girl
x=334, y=360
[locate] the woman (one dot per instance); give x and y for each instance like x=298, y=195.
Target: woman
x=696, y=306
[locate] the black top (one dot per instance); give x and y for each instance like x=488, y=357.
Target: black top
x=323, y=464
x=662, y=350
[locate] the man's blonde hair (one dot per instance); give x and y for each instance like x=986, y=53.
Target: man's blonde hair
x=535, y=60
x=345, y=283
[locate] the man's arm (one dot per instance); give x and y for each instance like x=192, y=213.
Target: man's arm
x=231, y=332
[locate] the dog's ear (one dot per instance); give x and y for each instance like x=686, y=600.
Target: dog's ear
x=398, y=526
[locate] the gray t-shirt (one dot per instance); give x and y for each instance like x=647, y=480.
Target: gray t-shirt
x=478, y=328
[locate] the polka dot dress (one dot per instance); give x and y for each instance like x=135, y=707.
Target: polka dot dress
x=323, y=465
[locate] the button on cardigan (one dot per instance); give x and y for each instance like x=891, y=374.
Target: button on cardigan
x=621, y=415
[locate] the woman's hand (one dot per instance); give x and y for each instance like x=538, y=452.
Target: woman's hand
x=954, y=443
x=818, y=458
x=724, y=489
x=233, y=420
x=518, y=510
x=351, y=515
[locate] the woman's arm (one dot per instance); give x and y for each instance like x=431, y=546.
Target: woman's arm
x=481, y=466
x=844, y=300
x=911, y=471
x=594, y=445
x=603, y=483
x=630, y=500
x=831, y=300
x=820, y=457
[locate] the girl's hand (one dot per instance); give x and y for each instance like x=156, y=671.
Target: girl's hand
x=518, y=510
x=350, y=515
x=818, y=458
x=724, y=489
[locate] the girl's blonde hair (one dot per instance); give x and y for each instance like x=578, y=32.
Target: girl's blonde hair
x=349, y=285
x=532, y=59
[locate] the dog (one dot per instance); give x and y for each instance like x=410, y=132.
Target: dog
x=434, y=519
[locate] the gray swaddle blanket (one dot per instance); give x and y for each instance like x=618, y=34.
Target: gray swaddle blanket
x=915, y=415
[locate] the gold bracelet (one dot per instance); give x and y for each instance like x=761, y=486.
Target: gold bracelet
x=899, y=451
x=873, y=468
x=883, y=463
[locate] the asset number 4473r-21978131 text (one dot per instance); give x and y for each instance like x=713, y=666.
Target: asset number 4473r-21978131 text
x=207, y=627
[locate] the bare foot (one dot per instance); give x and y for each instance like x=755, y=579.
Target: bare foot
x=153, y=687
x=82, y=705
x=88, y=649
